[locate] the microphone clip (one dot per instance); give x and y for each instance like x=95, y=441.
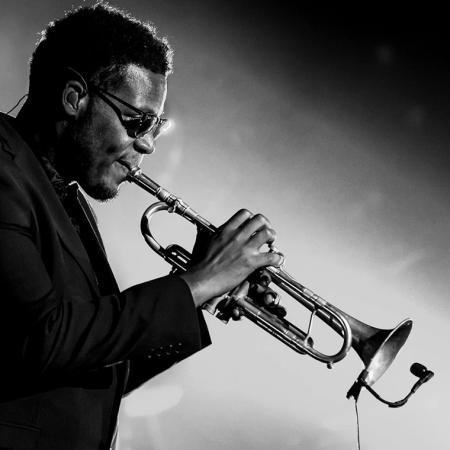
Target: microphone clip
x=416, y=369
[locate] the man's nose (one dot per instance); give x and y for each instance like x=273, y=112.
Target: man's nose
x=145, y=144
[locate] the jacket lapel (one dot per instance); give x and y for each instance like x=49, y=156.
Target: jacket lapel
x=69, y=237
x=82, y=210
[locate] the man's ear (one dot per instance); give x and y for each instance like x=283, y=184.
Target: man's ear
x=74, y=98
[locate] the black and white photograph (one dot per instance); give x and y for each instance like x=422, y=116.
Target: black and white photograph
x=224, y=225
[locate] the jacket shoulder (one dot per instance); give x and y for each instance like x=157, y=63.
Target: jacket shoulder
x=10, y=140
x=14, y=205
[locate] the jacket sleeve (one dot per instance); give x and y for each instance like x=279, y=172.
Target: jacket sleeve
x=62, y=334
x=46, y=332
x=160, y=359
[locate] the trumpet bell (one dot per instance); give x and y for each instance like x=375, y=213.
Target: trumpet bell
x=378, y=348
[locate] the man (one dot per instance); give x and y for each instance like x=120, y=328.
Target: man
x=71, y=344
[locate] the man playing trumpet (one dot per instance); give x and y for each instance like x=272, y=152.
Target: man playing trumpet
x=72, y=344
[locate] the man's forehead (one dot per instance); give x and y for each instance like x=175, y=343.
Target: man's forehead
x=144, y=89
x=141, y=78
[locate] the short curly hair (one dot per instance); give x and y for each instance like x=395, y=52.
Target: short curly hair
x=99, y=41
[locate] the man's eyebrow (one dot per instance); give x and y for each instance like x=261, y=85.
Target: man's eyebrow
x=152, y=112
x=141, y=111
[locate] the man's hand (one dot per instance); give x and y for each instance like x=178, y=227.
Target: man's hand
x=255, y=288
x=230, y=256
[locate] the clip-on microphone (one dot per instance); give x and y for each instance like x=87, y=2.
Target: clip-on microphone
x=416, y=369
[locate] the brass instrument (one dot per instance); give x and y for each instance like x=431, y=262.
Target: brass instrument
x=377, y=348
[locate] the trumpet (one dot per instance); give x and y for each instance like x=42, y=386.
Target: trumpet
x=377, y=348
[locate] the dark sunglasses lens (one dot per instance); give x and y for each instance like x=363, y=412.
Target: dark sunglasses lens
x=132, y=126
x=144, y=125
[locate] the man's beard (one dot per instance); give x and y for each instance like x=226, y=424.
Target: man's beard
x=93, y=185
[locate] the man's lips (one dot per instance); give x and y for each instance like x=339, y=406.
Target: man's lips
x=122, y=168
x=130, y=160
x=128, y=165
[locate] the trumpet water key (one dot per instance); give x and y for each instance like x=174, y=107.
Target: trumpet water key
x=377, y=348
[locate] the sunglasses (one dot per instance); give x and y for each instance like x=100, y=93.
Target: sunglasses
x=136, y=126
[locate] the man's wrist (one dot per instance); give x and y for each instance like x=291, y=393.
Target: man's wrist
x=196, y=287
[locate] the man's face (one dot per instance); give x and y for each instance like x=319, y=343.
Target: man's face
x=93, y=143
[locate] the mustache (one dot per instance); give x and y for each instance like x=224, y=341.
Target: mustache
x=131, y=161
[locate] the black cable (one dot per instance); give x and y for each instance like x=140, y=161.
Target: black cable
x=17, y=104
x=357, y=425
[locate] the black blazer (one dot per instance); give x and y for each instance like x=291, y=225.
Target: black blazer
x=69, y=351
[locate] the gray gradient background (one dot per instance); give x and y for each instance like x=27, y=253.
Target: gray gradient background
x=334, y=124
